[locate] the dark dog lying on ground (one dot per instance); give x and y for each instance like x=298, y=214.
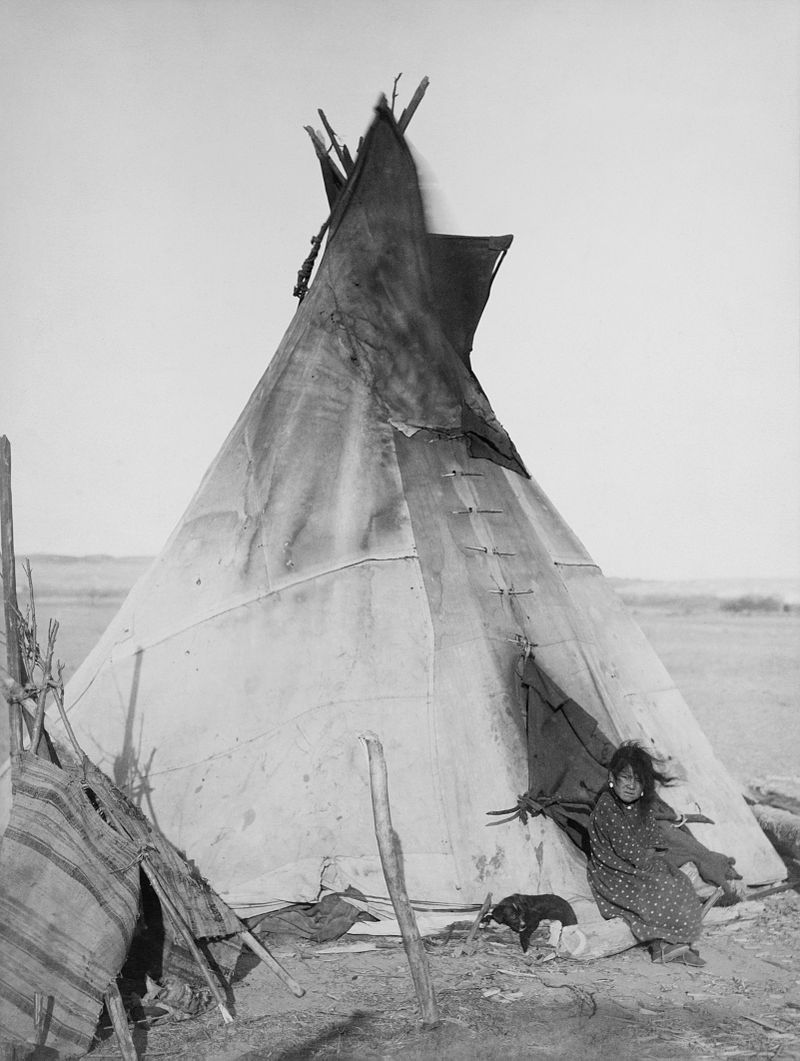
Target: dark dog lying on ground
x=522, y=913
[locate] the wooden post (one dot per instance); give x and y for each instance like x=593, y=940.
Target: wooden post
x=10, y=590
x=119, y=1019
x=392, y=862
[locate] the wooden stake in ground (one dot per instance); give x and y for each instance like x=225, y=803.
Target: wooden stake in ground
x=119, y=1020
x=711, y=901
x=392, y=862
x=487, y=902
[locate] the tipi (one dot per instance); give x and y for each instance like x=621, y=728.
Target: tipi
x=368, y=552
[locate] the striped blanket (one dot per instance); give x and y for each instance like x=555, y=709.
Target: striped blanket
x=70, y=896
x=69, y=900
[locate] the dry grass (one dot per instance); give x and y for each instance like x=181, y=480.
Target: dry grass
x=740, y=674
x=496, y=1004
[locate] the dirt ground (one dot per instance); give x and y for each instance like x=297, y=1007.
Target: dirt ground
x=497, y=1003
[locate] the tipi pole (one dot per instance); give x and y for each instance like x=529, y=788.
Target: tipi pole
x=261, y=952
x=119, y=1021
x=10, y=590
x=416, y=99
x=392, y=862
x=170, y=906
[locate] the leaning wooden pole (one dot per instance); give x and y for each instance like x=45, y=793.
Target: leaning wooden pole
x=416, y=99
x=392, y=862
x=119, y=1022
x=169, y=906
x=10, y=590
x=261, y=952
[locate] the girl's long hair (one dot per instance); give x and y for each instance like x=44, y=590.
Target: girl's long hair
x=644, y=768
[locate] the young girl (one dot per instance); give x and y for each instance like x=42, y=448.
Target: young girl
x=627, y=876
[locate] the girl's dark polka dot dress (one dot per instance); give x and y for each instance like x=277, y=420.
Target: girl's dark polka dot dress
x=629, y=880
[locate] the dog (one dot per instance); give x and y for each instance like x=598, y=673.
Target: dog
x=522, y=913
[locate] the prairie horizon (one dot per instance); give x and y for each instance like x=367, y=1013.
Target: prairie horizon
x=58, y=573
x=727, y=662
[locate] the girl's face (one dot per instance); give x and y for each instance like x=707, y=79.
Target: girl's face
x=627, y=785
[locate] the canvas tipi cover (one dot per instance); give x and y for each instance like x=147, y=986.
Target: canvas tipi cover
x=368, y=553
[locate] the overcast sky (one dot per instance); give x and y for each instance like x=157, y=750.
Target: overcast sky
x=641, y=344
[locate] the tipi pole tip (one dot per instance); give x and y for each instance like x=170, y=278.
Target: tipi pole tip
x=394, y=89
x=341, y=152
x=416, y=99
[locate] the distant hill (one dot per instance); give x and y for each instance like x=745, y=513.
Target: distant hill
x=653, y=591
x=93, y=577
x=82, y=592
